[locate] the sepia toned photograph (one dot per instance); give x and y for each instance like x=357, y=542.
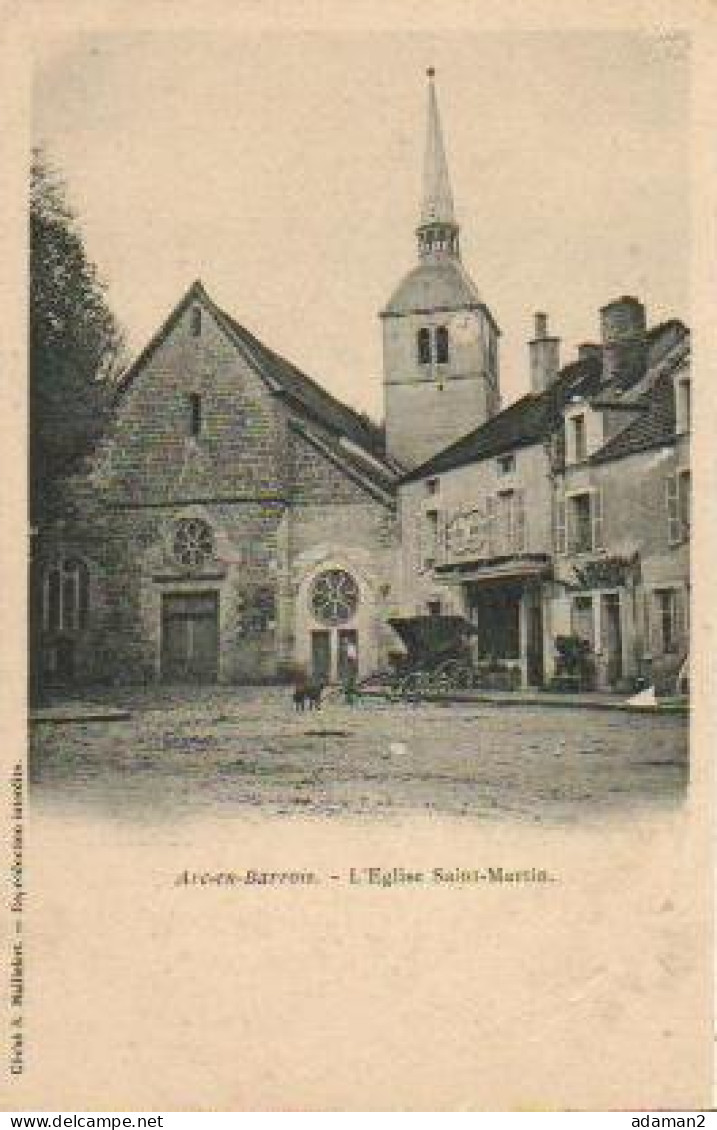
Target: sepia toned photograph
x=359, y=586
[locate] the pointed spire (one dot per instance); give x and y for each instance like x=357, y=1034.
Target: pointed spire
x=438, y=231
x=437, y=203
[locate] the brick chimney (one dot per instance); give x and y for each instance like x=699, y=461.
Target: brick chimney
x=623, y=325
x=544, y=356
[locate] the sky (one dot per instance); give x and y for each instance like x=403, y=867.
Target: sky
x=284, y=170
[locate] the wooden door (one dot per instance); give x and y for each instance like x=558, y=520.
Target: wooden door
x=612, y=637
x=190, y=637
x=321, y=656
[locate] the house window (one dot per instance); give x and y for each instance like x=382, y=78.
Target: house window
x=432, y=486
x=442, y=345
x=195, y=413
x=424, y=346
x=679, y=504
x=683, y=406
x=584, y=516
x=506, y=464
x=434, y=607
x=666, y=612
x=431, y=546
x=66, y=593
x=196, y=321
x=580, y=450
x=511, y=522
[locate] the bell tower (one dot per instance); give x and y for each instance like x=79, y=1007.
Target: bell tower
x=440, y=340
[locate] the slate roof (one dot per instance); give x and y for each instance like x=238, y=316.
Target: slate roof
x=437, y=284
x=654, y=427
x=283, y=378
x=527, y=421
x=532, y=418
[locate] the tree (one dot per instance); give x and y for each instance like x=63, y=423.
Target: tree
x=76, y=345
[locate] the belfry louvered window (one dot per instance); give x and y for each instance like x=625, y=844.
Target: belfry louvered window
x=424, y=346
x=442, y=345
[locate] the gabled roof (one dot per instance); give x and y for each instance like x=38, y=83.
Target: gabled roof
x=531, y=419
x=527, y=421
x=281, y=376
x=654, y=427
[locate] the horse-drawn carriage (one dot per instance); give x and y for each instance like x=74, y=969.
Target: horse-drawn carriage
x=437, y=654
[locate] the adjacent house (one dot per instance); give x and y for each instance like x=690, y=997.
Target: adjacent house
x=567, y=513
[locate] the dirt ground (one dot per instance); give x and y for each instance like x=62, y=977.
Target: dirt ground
x=245, y=750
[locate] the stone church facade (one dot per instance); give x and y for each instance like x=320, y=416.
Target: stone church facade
x=236, y=523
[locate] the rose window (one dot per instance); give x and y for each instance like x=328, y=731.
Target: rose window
x=334, y=597
x=193, y=542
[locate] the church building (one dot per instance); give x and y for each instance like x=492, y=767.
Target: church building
x=237, y=523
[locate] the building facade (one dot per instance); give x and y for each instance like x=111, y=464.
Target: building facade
x=567, y=514
x=235, y=524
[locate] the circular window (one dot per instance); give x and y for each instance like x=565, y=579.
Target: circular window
x=334, y=597
x=193, y=542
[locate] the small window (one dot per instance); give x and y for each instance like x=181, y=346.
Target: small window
x=666, y=602
x=195, y=412
x=581, y=524
x=431, y=546
x=66, y=594
x=679, y=502
x=580, y=449
x=434, y=607
x=196, y=321
x=442, y=345
x=424, y=346
x=684, y=408
x=432, y=486
x=506, y=464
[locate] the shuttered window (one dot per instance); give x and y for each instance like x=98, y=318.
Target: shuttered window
x=492, y=539
x=684, y=493
x=584, y=522
x=665, y=621
x=560, y=538
x=597, y=519
x=519, y=522
x=673, y=509
x=678, y=500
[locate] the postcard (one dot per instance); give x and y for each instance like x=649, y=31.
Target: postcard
x=357, y=596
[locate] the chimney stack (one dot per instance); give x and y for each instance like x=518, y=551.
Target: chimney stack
x=589, y=349
x=624, y=344
x=544, y=356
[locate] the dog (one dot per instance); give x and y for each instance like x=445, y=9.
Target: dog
x=308, y=695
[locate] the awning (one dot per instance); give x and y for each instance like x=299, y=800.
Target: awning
x=538, y=567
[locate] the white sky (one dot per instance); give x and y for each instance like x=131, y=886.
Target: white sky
x=284, y=170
